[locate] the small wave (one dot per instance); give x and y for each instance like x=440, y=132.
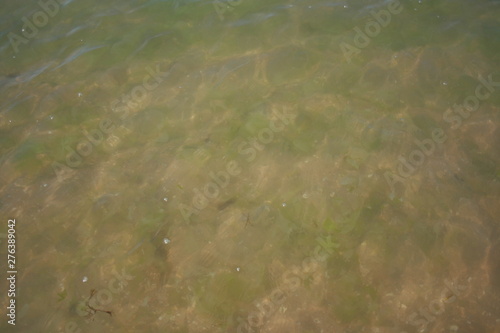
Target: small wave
x=78, y=53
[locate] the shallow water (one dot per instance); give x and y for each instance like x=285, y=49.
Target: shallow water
x=251, y=166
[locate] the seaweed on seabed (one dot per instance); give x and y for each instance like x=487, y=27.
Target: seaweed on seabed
x=91, y=311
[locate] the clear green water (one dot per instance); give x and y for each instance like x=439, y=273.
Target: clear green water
x=251, y=166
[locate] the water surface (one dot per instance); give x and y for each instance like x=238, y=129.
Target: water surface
x=252, y=166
